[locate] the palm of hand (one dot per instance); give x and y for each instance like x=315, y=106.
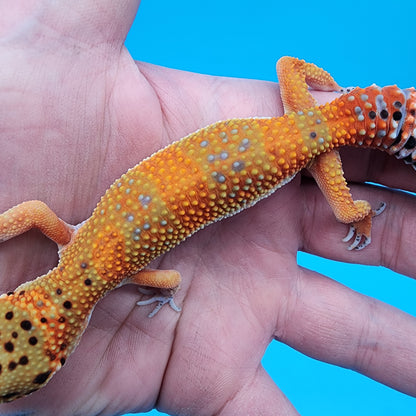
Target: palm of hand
x=77, y=115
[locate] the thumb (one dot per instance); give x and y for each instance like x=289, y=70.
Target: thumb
x=79, y=21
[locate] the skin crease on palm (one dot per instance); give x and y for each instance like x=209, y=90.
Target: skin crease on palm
x=77, y=112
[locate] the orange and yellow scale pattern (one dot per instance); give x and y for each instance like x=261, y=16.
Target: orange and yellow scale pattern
x=207, y=176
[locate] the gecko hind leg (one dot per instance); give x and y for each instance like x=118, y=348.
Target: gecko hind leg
x=358, y=214
x=34, y=214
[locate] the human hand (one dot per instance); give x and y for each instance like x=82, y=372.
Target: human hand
x=77, y=112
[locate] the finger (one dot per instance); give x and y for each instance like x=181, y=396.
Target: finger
x=88, y=21
x=259, y=394
x=262, y=395
x=369, y=165
x=332, y=323
x=186, y=112
x=393, y=231
x=365, y=165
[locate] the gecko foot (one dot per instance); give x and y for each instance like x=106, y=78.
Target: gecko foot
x=160, y=298
x=360, y=231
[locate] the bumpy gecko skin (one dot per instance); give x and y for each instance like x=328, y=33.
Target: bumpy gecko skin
x=207, y=176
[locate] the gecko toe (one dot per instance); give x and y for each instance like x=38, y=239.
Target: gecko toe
x=380, y=209
x=160, y=301
x=356, y=242
x=350, y=234
x=364, y=243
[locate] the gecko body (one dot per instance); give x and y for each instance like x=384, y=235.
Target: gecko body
x=209, y=175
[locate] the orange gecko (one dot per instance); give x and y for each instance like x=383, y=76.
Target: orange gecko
x=204, y=177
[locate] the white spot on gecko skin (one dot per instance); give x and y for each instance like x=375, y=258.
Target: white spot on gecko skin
x=145, y=200
x=219, y=177
x=380, y=103
x=222, y=156
x=238, y=166
x=136, y=234
x=244, y=145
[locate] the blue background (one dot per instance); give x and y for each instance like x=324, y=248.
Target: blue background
x=360, y=43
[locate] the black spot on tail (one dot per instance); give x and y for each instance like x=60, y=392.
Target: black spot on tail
x=42, y=377
x=10, y=396
x=411, y=143
x=33, y=340
x=23, y=360
x=26, y=325
x=12, y=365
x=67, y=304
x=9, y=347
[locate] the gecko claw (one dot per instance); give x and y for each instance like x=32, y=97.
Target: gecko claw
x=360, y=240
x=360, y=231
x=350, y=234
x=380, y=209
x=161, y=301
